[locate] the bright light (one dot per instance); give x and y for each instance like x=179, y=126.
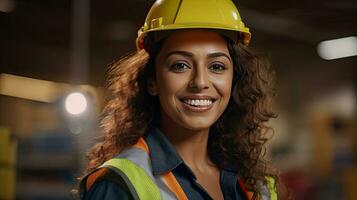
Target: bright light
x=338, y=48
x=76, y=103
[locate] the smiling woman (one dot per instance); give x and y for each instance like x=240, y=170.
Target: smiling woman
x=193, y=80
x=187, y=115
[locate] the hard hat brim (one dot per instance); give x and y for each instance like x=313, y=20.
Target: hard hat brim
x=241, y=30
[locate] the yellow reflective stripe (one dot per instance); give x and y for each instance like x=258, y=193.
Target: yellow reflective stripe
x=143, y=184
x=271, y=188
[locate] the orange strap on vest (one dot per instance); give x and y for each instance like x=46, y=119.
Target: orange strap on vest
x=174, y=186
x=141, y=144
x=93, y=177
x=247, y=193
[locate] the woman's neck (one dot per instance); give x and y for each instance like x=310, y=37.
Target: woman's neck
x=191, y=145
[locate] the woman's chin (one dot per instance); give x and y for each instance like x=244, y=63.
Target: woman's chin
x=198, y=123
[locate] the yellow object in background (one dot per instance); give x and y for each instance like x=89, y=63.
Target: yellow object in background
x=8, y=148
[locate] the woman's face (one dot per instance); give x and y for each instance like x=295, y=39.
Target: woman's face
x=194, y=73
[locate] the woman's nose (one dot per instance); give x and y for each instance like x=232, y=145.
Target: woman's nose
x=199, y=79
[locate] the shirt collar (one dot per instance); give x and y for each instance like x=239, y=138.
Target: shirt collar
x=163, y=155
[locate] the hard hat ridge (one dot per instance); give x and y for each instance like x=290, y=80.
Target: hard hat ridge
x=167, y=15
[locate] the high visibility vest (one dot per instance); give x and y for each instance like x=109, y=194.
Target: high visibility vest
x=134, y=166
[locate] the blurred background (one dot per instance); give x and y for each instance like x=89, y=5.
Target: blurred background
x=54, y=56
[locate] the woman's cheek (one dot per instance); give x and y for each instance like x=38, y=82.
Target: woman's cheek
x=174, y=82
x=223, y=84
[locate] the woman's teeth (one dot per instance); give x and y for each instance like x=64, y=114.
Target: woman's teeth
x=198, y=102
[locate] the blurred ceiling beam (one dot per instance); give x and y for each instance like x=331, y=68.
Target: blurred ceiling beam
x=283, y=26
x=42, y=90
x=31, y=89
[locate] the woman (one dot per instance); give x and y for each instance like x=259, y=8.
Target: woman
x=187, y=113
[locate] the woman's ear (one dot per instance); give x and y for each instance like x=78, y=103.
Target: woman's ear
x=152, y=87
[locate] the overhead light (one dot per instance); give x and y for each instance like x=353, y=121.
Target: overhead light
x=337, y=48
x=76, y=103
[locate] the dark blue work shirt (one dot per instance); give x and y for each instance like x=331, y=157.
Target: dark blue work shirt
x=164, y=158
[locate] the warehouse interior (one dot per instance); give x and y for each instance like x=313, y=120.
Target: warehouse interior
x=51, y=49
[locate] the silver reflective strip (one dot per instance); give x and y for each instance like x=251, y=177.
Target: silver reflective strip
x=263, y=191
x=141, y=158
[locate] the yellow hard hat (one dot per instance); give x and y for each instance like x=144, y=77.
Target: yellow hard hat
x=186, y=14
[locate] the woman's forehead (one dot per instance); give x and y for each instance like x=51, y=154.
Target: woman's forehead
x=195, y=38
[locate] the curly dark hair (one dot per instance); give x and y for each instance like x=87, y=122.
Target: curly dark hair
x=237, y=139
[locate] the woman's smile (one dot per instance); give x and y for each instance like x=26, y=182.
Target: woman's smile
x=198, y=103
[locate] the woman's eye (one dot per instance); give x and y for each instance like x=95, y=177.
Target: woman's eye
x=217, y=67
x=179, y=67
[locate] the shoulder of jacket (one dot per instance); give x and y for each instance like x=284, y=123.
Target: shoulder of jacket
x=101, y=174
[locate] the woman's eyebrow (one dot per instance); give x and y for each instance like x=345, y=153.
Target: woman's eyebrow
x=191, y=55
x=184, y=53
x=219, y=54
